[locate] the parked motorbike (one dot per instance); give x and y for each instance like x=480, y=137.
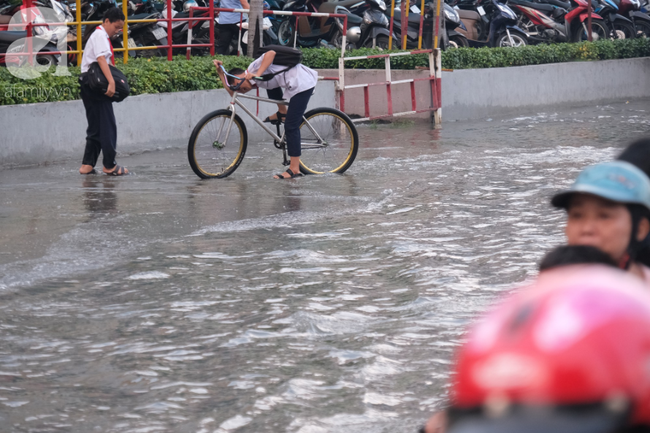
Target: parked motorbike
x=145, y=35
x=553, y=22
x=276, y=20
x=620, y=26
x=374, y=28
x=9, y=54
x=371, y=32
x=180, y=29
x=313, y=31
x=490, y=23
x=94, y=11
x=449, y=37
x=413, y=30
x=268, y=37
x=641, y=20
x=46, y=40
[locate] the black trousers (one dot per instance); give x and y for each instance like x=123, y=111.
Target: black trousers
x=226, y=33
x=297, y=107
x=101, y=134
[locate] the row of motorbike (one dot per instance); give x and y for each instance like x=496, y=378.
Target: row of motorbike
x=475, y=23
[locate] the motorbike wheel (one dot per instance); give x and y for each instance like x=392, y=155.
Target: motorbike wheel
x=46, y=60
x=642, y=28
x=623, y=30
x=518, y=40
x=286, y=34
x=599, y=30
x=381, y=43
x=458, y=41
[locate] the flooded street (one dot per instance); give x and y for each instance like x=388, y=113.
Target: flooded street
x=162, y=303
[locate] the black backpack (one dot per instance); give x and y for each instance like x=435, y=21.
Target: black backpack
x=284, y=56
x=99, y=84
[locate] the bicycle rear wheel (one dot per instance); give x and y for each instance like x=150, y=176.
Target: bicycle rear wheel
x=329, y=142
x=216, y=146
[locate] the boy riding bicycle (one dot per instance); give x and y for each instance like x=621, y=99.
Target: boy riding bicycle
x=295, y=84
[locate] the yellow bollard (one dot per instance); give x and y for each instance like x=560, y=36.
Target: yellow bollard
x=436, y=28
x=125, y=31
x=421, y=25
x=79, y=35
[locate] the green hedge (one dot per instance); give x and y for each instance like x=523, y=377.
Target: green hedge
x=157, y=75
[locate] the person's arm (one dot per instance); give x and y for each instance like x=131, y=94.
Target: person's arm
x=221, y=75
x=245, y=5
x=103, y=65
x=267, y=60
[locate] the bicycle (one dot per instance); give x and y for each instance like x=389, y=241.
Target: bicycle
x=328, y=139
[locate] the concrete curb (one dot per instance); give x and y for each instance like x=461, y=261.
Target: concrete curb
x=480, y=93
x=47, y=132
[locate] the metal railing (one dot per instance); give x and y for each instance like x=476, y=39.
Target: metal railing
x=192, y=20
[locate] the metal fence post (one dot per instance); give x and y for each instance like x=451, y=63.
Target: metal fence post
x=79, y=35
x=212, y=28
x=436, y=87
x=125, y=32
x=170, y=11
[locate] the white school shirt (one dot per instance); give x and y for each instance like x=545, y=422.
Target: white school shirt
x=295, y=80
x=98, y=45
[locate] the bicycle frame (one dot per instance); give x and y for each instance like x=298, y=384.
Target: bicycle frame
x=235, y=101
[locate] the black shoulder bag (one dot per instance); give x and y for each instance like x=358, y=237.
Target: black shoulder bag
x=99, y=84
x=284, y=56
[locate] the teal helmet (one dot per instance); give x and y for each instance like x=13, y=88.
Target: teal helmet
x=618, y=181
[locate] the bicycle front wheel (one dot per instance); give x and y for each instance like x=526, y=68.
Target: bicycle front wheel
x=217, y=144
x=328, y=140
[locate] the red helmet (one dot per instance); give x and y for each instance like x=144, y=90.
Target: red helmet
x=568, y=354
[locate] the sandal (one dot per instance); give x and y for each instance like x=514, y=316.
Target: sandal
x=93, y=171
x=277, y=121
x=119, y=171
x=292, y=175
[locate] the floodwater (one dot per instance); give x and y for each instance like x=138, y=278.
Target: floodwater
x=163, y=303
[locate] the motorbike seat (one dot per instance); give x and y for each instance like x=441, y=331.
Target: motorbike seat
x=468, y=14
x=559, y=3
x=144, y=16
x=328, y=7
x=543, y=7
x=12, y=36
x=413, y=17
x=354, y=19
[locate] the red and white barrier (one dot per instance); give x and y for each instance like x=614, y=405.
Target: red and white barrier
x=434, y=78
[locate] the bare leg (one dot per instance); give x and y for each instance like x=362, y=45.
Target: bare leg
x=281, y=109
x=294, y=166
x=85, y=169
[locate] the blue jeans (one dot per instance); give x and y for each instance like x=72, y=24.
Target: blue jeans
x=297, y=108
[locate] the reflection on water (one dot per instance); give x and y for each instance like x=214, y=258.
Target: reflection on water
x=328, y=304
x=99, y=195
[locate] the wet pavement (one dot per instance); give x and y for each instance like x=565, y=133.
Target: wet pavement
x=162, y=303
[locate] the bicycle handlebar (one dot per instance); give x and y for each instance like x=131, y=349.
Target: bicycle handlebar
x=241, y=80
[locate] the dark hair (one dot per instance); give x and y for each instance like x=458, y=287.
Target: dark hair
x=234, y=71
x=113, y=15
x=575, y=255
x=638, y=154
